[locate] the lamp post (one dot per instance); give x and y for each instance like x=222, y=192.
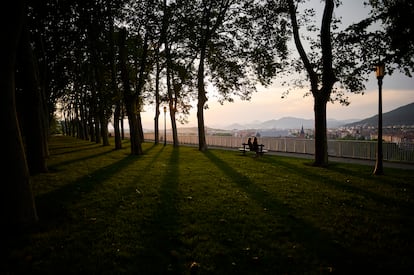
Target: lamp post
x=380, y=72
x=165, y=125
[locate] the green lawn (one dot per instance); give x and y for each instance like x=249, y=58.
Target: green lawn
x=104, y=211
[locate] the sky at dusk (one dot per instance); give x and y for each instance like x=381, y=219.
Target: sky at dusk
x=267, y=103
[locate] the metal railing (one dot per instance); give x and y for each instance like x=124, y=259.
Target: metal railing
x=403, y=152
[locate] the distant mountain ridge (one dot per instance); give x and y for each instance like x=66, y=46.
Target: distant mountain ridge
x=287, y=123
x=403, y=115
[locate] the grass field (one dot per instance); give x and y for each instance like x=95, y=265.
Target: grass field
x=181, y=211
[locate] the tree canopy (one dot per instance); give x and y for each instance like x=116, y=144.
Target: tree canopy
x=386, y=35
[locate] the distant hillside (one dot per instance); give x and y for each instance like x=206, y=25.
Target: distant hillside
x=403, y=115
x=287, y=123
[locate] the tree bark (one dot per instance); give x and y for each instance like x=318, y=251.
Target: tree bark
x=173, y=125
x=84, y=115
x=104, y=128
x=32, y=108
x=117, y=131
x=202, y=99
x=157, y=98
x=139, y=122
x=129, y=98
x=114, y=86
x=17, y=207
x=321, y=140
x=171, y=99
x=321, y=95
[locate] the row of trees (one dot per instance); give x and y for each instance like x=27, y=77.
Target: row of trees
x=101, y=60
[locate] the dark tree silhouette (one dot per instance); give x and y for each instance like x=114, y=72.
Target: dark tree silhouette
x=17, y=206
x=386, y=35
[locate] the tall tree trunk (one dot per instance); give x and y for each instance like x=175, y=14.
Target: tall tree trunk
x=17, y=207
x=121, y=122
x=117, y=131
x=104, y=128
x=129, y=98
x=328, y=80
x=91, y=126
x=171, y=99
x=202, y=99
x=134, y=134
x=114, y=86
x=321, y=140
x=142, y=75
x=140, y=129
x=97, y=128
x=78, y=114
x=84, y=116
x=320, y=95
x=157, y=98
x=35, y=134
x=174, y=126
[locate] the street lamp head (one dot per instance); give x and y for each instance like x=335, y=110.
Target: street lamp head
x=165, y=109
x=380, y=70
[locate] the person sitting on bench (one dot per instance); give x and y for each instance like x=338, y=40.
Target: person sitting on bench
x=255, y=146
x=250, y=144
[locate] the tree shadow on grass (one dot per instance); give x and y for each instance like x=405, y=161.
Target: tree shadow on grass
x=386, y=179
x=341, y=184
x=374, y=205
x=81, y=146
x=161, y=245
x=52, y=206
x=55, y=167
x=61, y=145
x=317, y=242
x=74, y=149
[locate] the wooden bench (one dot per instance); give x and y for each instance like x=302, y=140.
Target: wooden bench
x=245, y=148
x=259, y=152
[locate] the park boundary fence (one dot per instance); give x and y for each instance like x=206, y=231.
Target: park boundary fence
x=403, y=152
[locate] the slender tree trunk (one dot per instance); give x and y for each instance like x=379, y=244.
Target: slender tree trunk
x=48, y=111
x=134, y=134
x=104, y=128
x=91, y=126
x=202, y=99
x=121, y=122
x=84, y=116
x=97, y=129
x=78, y=114
x=140, y=129
x=138, y=89
x=32, y=110
x=114, y=86
x=328, y=80
x=157, y=99
x=129, y=98
x=117, y=131
x=77, y=119
x=320, y=95
x=171, y=100
x=17, y=207
x=321, y=140
x=174, y=126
